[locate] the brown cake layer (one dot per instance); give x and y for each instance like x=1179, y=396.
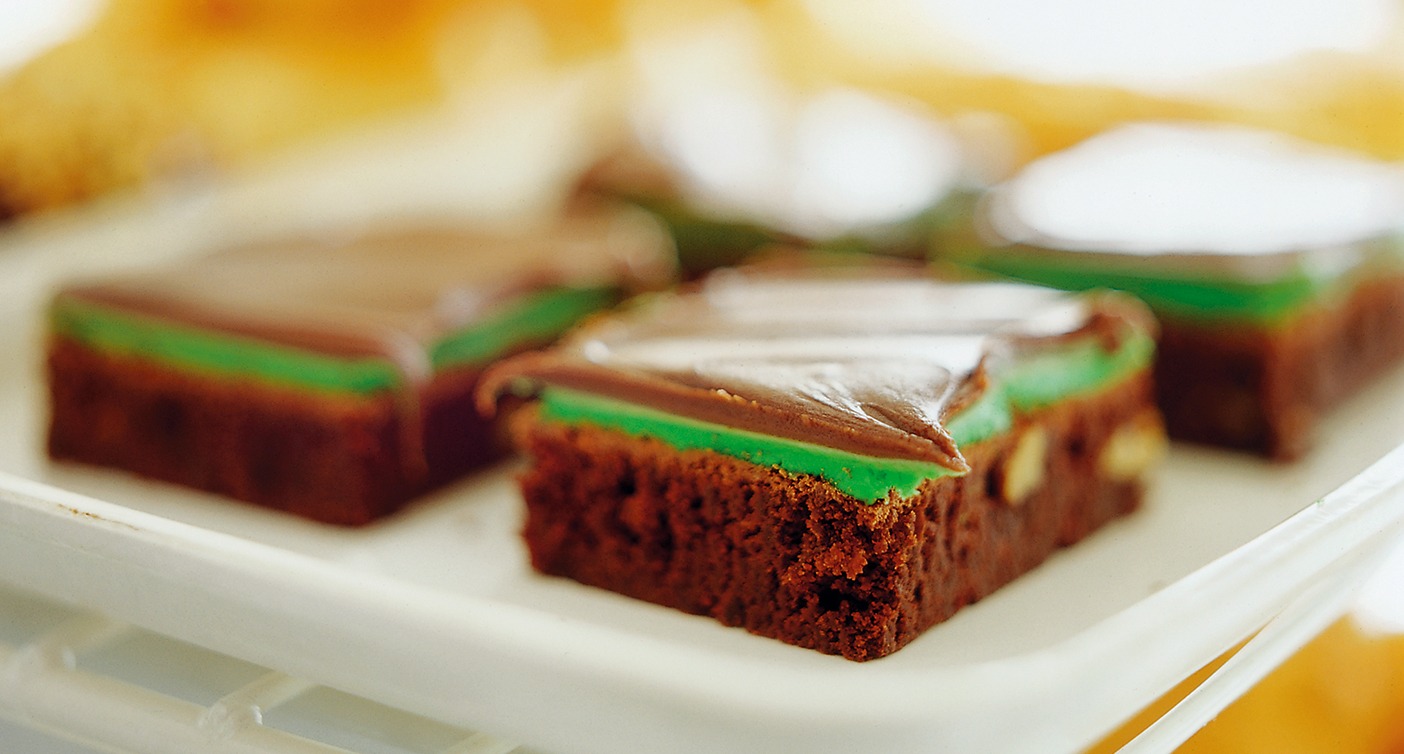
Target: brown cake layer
x=793, y=558
x=340, y=460
x=1264, y=389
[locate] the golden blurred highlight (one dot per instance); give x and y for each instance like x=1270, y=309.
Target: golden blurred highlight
x=161, y=85
x=1343, y=693
x=155, y=87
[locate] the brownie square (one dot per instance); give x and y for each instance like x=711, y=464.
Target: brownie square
x=673, y=450
x=1275, y=267
x=329, y=378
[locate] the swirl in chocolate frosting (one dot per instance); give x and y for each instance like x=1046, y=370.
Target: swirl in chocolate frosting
x=873, y=365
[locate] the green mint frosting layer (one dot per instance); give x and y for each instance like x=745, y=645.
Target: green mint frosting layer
x=530, y=318
x=1046, y=379
x=534, y=318
x=1188, y=296
x=860, y=476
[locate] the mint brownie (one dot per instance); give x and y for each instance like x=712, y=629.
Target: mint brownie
x=835, y=459
x=332, y=379
x=1274, y=268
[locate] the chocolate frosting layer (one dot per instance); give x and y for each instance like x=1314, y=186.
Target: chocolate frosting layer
x=869, y=364
x=390, y=294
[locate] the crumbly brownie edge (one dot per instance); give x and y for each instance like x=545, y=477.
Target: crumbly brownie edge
x=1263, y=389
x=339, y=460
x=794, y=559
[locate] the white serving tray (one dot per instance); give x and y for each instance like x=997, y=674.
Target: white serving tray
x=437, y=613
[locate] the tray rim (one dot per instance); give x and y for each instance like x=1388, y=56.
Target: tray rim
x=777, y=708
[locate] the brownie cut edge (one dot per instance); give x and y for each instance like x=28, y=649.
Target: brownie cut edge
x=792, y=558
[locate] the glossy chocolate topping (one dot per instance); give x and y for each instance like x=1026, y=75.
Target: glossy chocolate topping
x=870, y=365
x=386, y=294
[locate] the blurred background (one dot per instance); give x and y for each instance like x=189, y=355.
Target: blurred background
x=811, y=119
x=356, y=106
